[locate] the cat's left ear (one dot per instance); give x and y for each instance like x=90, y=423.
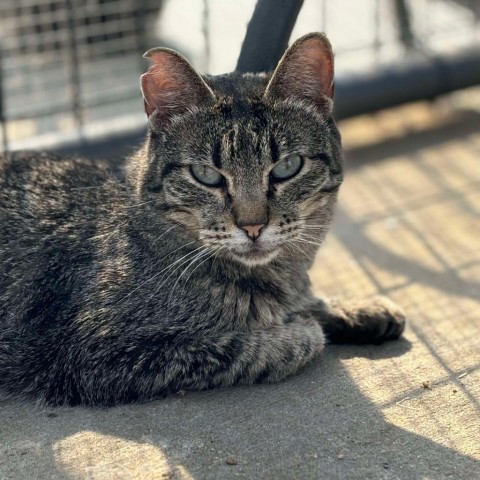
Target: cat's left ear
x=305, y=73
x=171, y=86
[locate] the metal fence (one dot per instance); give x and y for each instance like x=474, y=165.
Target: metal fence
x=69, y=68
x=67, y=64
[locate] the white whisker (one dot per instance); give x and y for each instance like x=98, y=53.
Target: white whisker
x=297, y=247
x=153, y=276
x=190, y=262
x=315, y=227
x=287, y=246
x=140, y=204
x=304, y=240
x=310, y=236
x=164, y=233
x=186, y=258
x=214, y=253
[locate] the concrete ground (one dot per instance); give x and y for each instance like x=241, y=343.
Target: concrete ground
x=408, y=226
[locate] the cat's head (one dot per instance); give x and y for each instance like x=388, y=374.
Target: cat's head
x=248, y=165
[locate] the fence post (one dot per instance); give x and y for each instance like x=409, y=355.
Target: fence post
x=74, y=66
x=267, y=34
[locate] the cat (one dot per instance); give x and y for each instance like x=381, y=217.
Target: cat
x=187, y=269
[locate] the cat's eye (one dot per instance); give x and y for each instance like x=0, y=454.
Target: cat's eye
x=206, y=175
x=287, y=168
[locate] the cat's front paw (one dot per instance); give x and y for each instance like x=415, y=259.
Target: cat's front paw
x=372, y=321
x=387, y=315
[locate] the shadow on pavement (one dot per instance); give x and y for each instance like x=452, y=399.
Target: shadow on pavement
x=315, y=425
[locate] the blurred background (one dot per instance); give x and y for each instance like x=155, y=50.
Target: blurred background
x=407, y=226
x=69, y=69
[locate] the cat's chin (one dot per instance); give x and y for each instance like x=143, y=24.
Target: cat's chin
x=255, y=257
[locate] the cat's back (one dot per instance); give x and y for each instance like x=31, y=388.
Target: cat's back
x=41, y=193
x=40, y=183
x=49, y=209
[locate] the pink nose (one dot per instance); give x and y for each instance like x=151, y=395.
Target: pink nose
x=253, y=231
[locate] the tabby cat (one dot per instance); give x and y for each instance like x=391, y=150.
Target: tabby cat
x=187, y=270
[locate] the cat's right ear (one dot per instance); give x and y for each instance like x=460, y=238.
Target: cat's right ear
x=171, y=86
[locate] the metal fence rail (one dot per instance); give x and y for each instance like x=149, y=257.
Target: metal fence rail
x=68, y=63
x=421, y=72
x=69, y=68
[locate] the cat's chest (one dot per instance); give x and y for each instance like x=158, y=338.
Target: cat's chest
x=250, y=305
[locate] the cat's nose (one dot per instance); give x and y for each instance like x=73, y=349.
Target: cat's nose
x=253, y=231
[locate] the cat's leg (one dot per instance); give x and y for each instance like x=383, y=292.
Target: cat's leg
x=142, y=368
x=260, y=356
x=359, y=322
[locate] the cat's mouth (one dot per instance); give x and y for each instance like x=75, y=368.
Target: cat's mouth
x=255, y=255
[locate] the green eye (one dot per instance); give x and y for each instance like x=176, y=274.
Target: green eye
x=206, y=175
x=287, y=168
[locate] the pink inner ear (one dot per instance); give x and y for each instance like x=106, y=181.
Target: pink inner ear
x=171, y=85
x=162, y=85
x=305, y=72
x=314, y=66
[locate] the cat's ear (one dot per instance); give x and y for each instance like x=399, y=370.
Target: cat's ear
x=305, y=73
x=171, y=86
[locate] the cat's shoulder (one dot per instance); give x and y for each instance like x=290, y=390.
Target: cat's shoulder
x=45, y=168
x=27, y=161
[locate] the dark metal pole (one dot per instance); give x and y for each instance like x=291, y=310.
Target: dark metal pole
x=141, y=32
x=402, y=11
x=206, y=35
x=267, y=34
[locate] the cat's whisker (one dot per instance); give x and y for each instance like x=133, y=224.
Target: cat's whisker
x=140, y=204
x=313, y=217
x=303, y=240
x=297, y=247
x=154, y=276
x=313, y=240
x=137, y=288
x=315, y=226
x=169, y=254
x=87, y=188
x=186, y=258
x=312, y=232
x=222, y=247
x=287, y=246
x=314, y=237
x=307, y=236
x=213, y=254
x=165, y=233
x=190, y=262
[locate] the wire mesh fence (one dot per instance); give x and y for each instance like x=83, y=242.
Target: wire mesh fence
x=68, y=63
x=69, y=68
